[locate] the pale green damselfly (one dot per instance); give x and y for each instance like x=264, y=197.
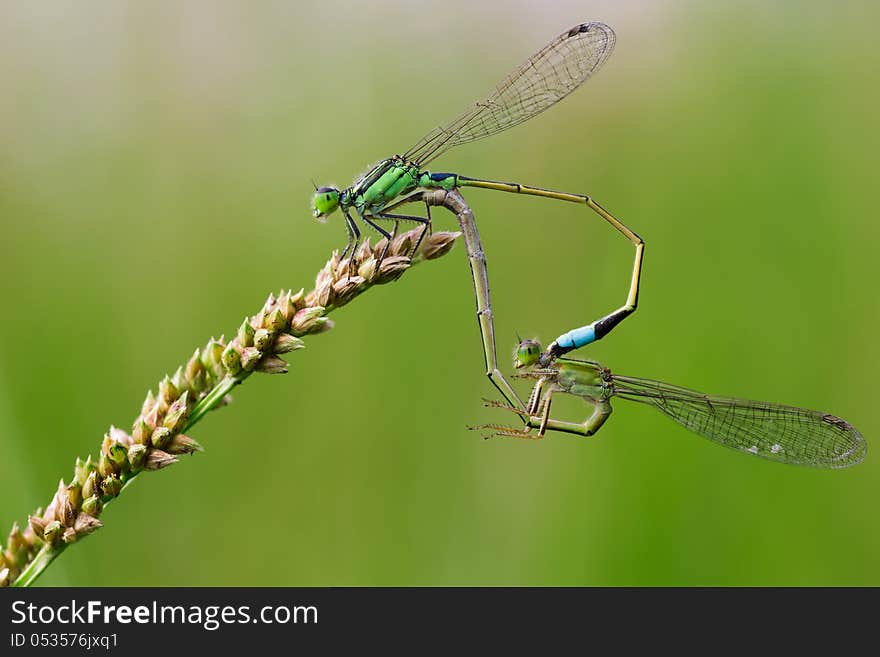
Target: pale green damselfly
x=785, y=434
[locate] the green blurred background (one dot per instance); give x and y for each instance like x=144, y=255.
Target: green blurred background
x=155, y=166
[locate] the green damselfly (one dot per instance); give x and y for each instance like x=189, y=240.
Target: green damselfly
x=786, y=434
x=544, y=79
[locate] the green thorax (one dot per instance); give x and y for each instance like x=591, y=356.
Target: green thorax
x=582, y=378
x=389, y=179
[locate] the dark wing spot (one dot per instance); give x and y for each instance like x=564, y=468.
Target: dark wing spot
x=836, y=421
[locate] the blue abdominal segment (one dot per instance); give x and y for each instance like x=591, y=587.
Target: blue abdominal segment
x=577, y=337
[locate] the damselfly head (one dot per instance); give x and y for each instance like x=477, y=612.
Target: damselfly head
x=325, y=201
x=527, y=353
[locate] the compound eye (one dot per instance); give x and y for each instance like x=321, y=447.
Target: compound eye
x=326, y=200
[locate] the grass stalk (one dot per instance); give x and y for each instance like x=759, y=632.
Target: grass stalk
x=159, y=434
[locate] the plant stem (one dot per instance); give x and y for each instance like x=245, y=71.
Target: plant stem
x=48, y=553
x=34, y=569
x=202, y=384
x=206, y=404
x=209, y=401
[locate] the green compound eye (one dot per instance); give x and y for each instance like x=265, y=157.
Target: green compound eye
x=527, y=353
x=325, y=201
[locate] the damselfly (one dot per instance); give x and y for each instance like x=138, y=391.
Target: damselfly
x=544, y=79
x=780, y=433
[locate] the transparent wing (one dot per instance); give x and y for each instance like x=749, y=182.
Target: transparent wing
x=546, y=78
x=772, y=431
